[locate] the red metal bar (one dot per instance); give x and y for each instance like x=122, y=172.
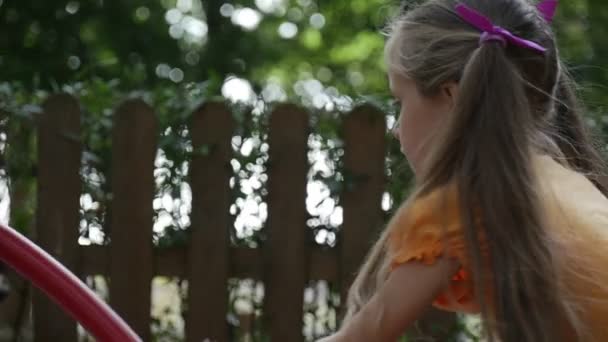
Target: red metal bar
x=63, y=287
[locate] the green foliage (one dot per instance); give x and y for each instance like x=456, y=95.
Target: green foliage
x=149, y=42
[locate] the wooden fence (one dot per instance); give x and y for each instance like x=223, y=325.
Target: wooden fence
x=285, y=263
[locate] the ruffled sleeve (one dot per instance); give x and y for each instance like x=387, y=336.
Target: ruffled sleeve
x=426, y=229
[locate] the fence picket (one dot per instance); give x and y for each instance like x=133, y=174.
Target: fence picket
x=57, y=220
x=133, y=153
x=286, y=252
x=208, y=255
x=364, y=139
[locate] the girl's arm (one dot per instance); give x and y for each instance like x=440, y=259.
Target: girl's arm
x=407, y=293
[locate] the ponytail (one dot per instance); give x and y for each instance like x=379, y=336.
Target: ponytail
x=488, y=152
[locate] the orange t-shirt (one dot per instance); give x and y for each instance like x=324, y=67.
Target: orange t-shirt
x=577, y=214
x=427, y=229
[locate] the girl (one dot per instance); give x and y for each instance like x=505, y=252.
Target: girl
x=509, y=217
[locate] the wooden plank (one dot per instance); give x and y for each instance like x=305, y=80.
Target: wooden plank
x=95, y=259
x=212, y=128
x=133, y=152
x=15, y=308
x=57, y=219
x=364, y=138
x=286, y=255
x=244, y=262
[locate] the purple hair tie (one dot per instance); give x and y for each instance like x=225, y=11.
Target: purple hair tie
x=490, y=32
x=486, y=37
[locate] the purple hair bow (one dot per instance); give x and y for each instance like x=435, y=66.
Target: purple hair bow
x=547, y=9
x=492, y=32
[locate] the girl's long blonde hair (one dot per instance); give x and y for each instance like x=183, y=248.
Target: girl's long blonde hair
x=505, y=111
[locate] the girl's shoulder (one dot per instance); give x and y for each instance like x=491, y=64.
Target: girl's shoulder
x=569, y=196
x=577, y=214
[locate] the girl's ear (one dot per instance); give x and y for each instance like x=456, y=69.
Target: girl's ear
x=449, y=91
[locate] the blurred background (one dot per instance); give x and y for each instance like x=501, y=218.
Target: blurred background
x=323, y=56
